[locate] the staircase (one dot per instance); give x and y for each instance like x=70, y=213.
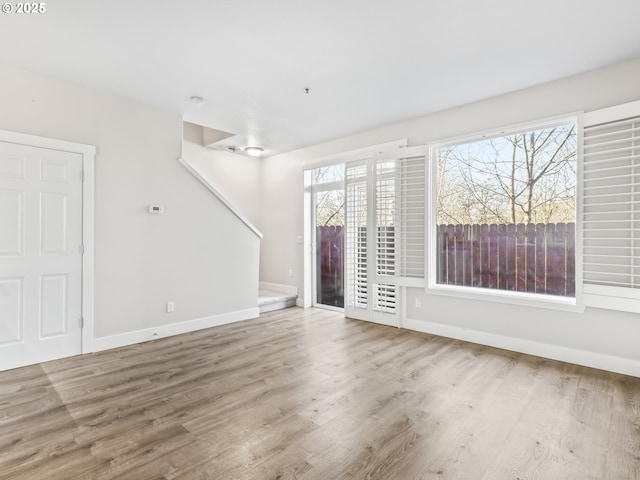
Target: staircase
x=273, y=297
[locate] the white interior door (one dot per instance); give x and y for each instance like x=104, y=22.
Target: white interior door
x=40, y=254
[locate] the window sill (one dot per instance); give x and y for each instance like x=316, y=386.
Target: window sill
x=612, y=298
x=514, y=298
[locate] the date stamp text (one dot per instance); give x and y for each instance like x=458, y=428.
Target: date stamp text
x=24, y=8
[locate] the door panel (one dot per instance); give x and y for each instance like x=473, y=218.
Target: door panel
x=11, y=295
x=329, y=231
x=11, y=219
x=385, y=232
x=53, y=171
x=53, y=305
x=371, y=291
x=40, y=256
x=357, y=264
x=53, y=224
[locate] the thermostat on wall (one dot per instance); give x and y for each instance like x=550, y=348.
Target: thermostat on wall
x=156, y=209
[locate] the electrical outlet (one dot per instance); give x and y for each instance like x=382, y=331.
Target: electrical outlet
x=418, y=303
x=290, y=272
x=171, y=307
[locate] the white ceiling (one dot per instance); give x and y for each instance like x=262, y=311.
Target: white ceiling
x=367, y=63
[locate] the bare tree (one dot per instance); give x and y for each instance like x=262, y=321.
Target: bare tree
x=522, y=178
x=329, y=203
x=330, y=208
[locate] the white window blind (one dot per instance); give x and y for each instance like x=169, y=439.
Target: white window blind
x=411, y=184
x=611, y=208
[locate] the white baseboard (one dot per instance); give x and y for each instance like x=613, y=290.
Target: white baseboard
x=279, y=287
x=162, y=331
x=555, y=352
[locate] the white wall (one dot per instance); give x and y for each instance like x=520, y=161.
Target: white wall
x=604, y=333
x=197, y=254
x=235, y=176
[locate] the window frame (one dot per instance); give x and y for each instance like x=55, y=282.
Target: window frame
x=574, y=304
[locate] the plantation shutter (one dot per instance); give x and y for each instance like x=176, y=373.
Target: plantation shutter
x=409, y=205
x=611, y=208
x=385, y=215
x=385, y=231
x=400, y=223
x=356, y=268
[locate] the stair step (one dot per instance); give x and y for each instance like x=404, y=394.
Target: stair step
x=269, y=301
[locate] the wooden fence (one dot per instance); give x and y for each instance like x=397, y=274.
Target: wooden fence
x=536, y=258
x=330, y=265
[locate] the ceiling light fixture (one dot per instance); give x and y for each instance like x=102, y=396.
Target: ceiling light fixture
x=199, y=101
x=254, y=151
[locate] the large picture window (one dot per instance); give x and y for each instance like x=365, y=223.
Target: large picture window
x=504, y=212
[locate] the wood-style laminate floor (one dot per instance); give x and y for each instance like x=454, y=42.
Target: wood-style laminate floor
x=307, y=394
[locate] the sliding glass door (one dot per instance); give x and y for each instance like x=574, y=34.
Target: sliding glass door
x=329, y=229
x=329, y=208
x=368, y=222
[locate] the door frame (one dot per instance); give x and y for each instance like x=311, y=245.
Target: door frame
x=315, y=189
x=308, y=240
x=88, y=153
